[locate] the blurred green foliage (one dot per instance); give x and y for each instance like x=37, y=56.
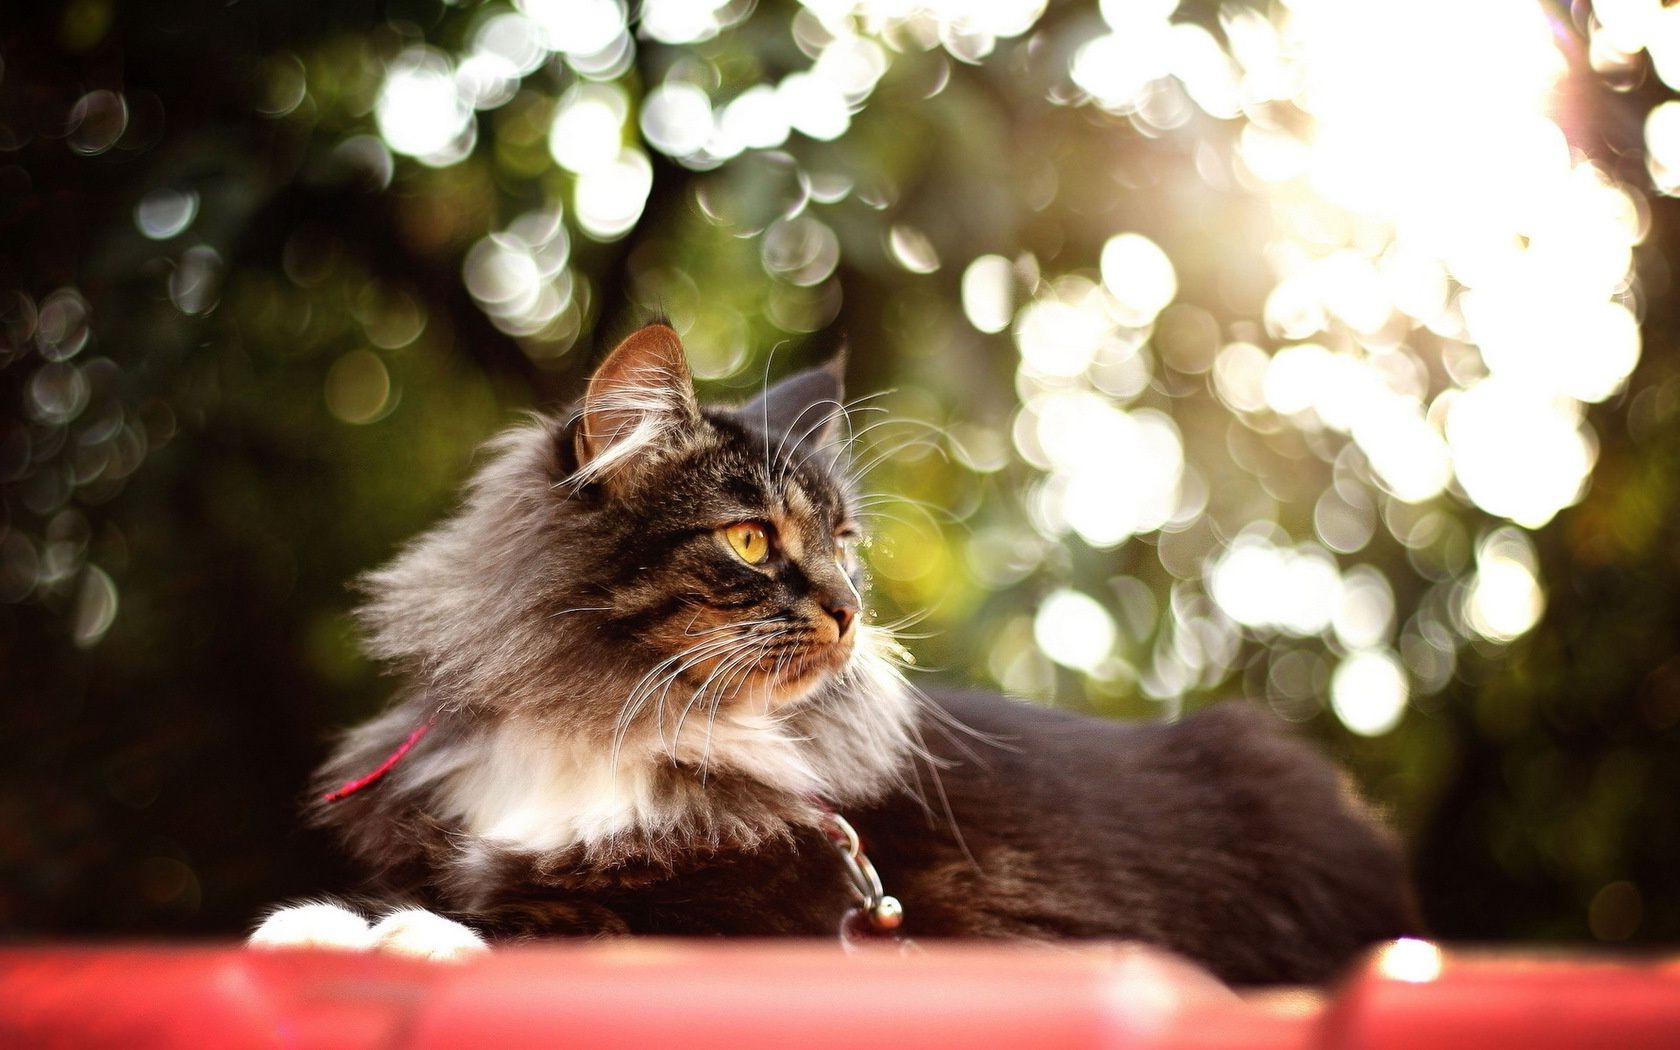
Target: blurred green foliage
x=292, y=336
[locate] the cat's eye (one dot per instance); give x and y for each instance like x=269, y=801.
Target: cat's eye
x=749, y=541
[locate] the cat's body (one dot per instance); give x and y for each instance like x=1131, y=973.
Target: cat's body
x=1216, y=837
x=638, y=678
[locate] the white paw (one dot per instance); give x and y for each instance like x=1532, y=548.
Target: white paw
x=420, y=934
x=314, y=926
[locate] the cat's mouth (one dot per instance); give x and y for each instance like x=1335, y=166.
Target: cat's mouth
x=783, y=670
x=819, y=660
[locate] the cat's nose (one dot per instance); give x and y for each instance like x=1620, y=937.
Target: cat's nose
x=844, y=612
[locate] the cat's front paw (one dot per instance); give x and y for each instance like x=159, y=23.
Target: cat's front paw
x=318, y=925
x=421, y=934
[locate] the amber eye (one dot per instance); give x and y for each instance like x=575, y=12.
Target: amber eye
x=748, y=540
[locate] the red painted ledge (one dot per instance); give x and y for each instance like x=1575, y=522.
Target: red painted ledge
x=689, y=996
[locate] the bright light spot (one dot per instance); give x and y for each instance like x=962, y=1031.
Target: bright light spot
x=1411, y=960
x=754, y=119
x=519, y=276
x=1140, y=277
x=1368, y=692
x=610, y=198
x=486, y=81
x=1406, y=452
x=677, y=118
x=511, y=38
x=1662, y=146
x=1295, y=378
x=498, y=271
x=1663, y=45
x=1267, y=73
x=802, y=250
x=1498, y=62
x=1273, y=154
x=1365, y=617
x=1351, y=290
x=1073, y=630
x=853, y=64
x=967, y=28
x=988, y=293
x=420, y=111
x=576, y=27
x=1297, y=591
x=1518, y=453
x=1239, y=376
x=1075, y=429
x=682, y=21
x=162, y=214
x=1063, y=333
x=1415, y=283
x=1344, y=523
x=1581, y=349
x=1118, y=68
x=588, y=129
x=1115, y=474
x=608, y=64
x=911, y=249
x=815, y=107
x=1520, y=248
x=1209, y=76
x=1628, y=25
x=1504, y=601
x=1349, y=394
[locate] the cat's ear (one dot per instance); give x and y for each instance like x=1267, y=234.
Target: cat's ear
x=640, y=396
x=805, y=410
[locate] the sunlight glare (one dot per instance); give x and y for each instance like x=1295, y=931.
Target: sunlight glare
x=1074, y=630
x=1504, y=601
x=1368, y=692
x=419, y=111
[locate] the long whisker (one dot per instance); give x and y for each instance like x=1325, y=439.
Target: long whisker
x=841, y=445
x=642, y=690
x=717, y=703
x=723, y=663
x=823, y=419
x=769, y=360
x=859, y=473
x=842, y=408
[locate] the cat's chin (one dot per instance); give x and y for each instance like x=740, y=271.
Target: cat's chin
x=796, y=681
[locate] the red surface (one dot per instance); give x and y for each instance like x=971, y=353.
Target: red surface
x=686, y=996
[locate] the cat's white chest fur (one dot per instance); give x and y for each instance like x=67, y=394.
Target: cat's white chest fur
x=528, y=788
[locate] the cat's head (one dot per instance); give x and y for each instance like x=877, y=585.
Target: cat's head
x=645, y=561
x=723, y=537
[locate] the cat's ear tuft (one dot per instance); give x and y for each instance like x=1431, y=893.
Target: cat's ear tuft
x=806, y=410
x=639, y=397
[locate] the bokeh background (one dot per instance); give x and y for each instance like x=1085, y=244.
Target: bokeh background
x=1318, y=351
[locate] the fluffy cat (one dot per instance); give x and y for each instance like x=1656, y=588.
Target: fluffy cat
x=639, y=680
